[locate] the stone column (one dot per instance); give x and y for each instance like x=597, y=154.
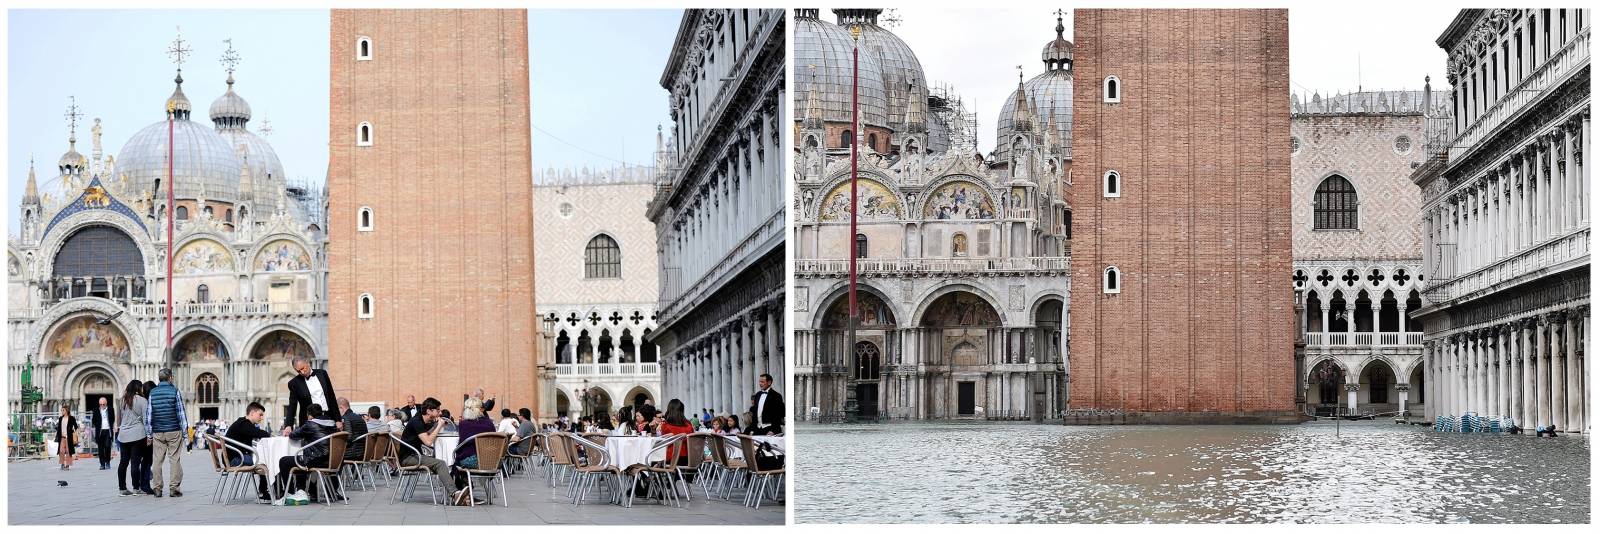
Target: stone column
x=1569, y=182
x=1573, y=392
x=1350, y=389
x=1541, y=369
x=1403, y=390
x=1526, y=352
x=1507, y=395
x=1558, y=367
x=1583, y=177
x=1427, y=380
x=774, y=344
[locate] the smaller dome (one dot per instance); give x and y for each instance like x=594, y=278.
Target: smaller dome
x=178, y=104
x=72, y=159
x=230, y=109
x=1058, y=53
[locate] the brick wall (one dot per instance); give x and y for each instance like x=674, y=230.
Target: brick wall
x=448, y=177
x=1201, y=232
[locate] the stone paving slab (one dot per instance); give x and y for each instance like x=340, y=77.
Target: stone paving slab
x=91, y=498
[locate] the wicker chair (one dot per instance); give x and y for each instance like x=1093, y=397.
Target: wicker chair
x=561, y=459
x=597, y=437
x=409, y=473
x=658, y=478
x=373, y=451
x=524, y=459
x=728, y=471
x=694, y=446
x=756, y=490
x=598, y=466
x=229, y=478
x=491, y=448
x=336, y=444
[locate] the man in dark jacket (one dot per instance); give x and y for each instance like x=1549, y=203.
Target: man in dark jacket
x=310, y=386
x=315, y=428
x=104, y=422
x=246, y=431
x=356, y=426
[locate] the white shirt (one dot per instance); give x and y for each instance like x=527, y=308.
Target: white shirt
x=105, y=420
x=508, y=426
x=315, y=387
x=760, y=404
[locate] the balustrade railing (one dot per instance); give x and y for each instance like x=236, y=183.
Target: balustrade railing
x=1570, y=58
x=198, y=309
x=1362, y=339
x=608, y=369
x=1548, y=254
x=927, y=265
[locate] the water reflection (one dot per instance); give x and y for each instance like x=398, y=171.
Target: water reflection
x=1369, y=472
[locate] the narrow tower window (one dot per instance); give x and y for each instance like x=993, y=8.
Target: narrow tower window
x=1113, y=93
x=364, y=220
x=364, y=49
x=364, y=134
x=1112, y=281
x=365, y=310
x=1113, y=184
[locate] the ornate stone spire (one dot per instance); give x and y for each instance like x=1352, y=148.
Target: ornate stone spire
x=1021, y=114
x=30, y=194
x=813, y=118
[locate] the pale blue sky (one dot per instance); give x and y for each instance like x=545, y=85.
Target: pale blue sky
x=114, y=61
x=595, y=82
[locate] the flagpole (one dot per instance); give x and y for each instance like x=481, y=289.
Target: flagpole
x=855, y=134
x=171, y=209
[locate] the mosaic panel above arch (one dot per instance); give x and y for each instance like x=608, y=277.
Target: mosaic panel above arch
x=200, y=346
x=202, y=256
x=959, y=200
x=83, y=336
x=874, y=314
x=960, y=308
x=283, y=255
x=281, y=345
x=874, y=202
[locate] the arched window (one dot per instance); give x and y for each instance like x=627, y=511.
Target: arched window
x=811, y=141
x=183, y=213
x=1111, y=282
x=1113, y=89
x=363, y=49
x=364, y=219
x=202, y=294
x=861, y=245
x=602, y=258
x=228, y=215
x=1335, y=205
x=364, y=134
x=364, y=310
x=846, y=138
x=205, y=389
x=872, y=140
x=868, y=361
x=1113, y=184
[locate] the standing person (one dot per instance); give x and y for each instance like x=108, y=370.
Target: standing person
x=357, y=429
x=410, y=409
x=133, y=441
x=149, y=448
x=308, y=387
x=165, y=420
x=104, y=421
x=247, y=430
x=420, y=431
x=66, y=436
x=766, y=410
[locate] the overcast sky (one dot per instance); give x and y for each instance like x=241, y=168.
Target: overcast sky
x=977, y=50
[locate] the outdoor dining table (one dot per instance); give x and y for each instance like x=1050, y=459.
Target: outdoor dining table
x=444, y=448
x=627, y=451
x=269, y=450
x=736, y=452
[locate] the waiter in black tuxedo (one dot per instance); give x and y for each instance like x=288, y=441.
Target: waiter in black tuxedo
x=766, y=409
x=311, y=386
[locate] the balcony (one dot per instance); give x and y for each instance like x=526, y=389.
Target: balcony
x=197, y=310
x=645, y=370
x=1363, y=339
x=1571, y=58
x=928, y=266
x=1521, y=267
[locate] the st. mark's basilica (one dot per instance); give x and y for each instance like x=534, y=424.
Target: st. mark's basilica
x=962, y=258
x=88, y=271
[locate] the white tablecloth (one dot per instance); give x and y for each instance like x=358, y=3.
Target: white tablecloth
x=270, y=450
x=629, y=450
x=444, y=448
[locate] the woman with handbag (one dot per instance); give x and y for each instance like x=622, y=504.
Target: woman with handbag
x=66, y=436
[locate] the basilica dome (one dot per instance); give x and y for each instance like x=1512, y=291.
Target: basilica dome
x=1050, y=91
x=230, y=114
x=202, y=158
x=823, y=64
x=901, y=70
